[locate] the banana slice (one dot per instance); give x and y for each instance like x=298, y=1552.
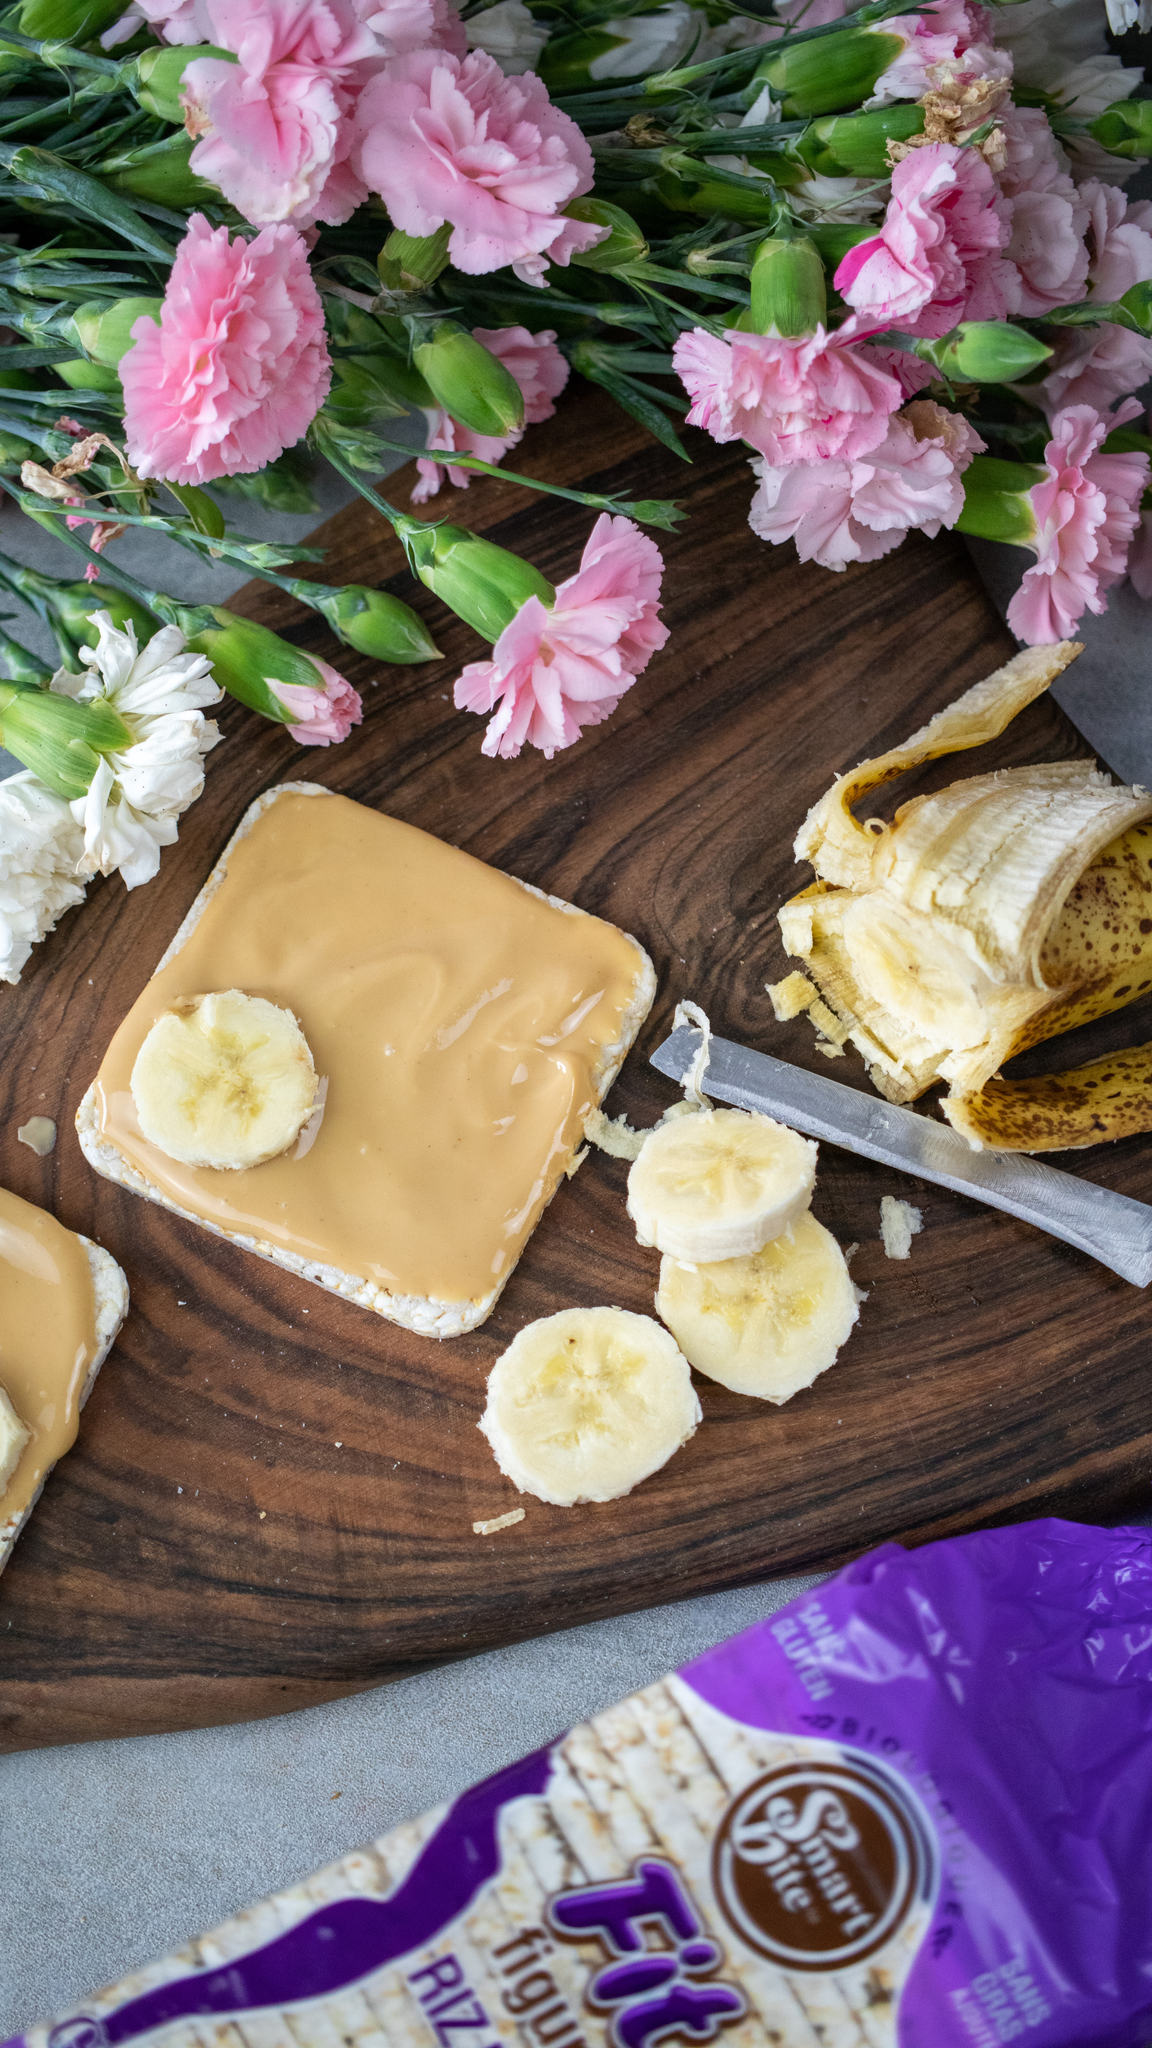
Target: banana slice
x=719, y=1185
x=768, y=1324
x=224, y=1080
x=585, y=1404
x=13, y=1437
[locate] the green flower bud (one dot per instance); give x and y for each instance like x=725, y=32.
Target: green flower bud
x=376, y=623
x=159, y=172
x=997, y=500
x=470, y=383
x=789, y=295
x=59, y=739
x=1124, y=128
x=481, y=583
x=828, y=74
x=410, y=263
x=624, y=244
x=14, y=453
x=732, y=202
x=105, y=332
x=82, y=376
x=68, y=607
x=855, y=145
x=22, y=667
x=67, y=21
x=985, y=352
x=247, y=658
x=159, y=74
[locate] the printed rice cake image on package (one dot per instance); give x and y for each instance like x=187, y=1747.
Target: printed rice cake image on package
x=867, y=1821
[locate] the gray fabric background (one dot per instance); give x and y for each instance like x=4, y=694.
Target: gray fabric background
x=113, y=1852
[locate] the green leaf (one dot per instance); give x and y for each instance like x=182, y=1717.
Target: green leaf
x=205, y=516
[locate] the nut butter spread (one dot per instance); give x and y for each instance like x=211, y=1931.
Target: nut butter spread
x=455, y=1018
x=47, y=1338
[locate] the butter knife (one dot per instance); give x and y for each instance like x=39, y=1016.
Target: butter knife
x=1111, y=1228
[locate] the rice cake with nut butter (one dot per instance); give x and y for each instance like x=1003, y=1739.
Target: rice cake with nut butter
x=462, y=1025
x=62, y=1301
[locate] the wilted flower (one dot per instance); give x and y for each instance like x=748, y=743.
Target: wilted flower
x=795, y=399
x=40, y=845
x=138, y=793
x=238, y=366
x=839, y=512
x=541, y=372
x=556, y=669
x=442, y=140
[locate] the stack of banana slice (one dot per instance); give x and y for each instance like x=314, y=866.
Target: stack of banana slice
x=756, y=1293
x=994, y=914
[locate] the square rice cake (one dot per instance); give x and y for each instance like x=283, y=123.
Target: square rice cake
x=462, y=1025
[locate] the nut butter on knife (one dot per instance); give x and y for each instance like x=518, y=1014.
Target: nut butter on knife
x=1109, y=1227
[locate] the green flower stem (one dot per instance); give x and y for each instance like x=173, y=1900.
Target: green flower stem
x=661, y=512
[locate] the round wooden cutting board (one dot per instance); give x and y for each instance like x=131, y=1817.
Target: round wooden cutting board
x=272, y=1496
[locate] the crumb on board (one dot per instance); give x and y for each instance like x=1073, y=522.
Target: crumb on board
x=39, y=1134
x=613, y=1135
x=577, y=1161
x=791, y=997
x=899, y=1224
x=500, y=1522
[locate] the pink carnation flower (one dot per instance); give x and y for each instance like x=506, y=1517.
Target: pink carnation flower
x=936, y=260
x=554, y=671
x=795, y=399
x=276, y=128
x=238, y=365
x=955, y=39
x=444, y=140
x=839, y=512
x=1087, y=510
x=1095, y=366
x=173, y=20
x=541, y=372
x=324, y=714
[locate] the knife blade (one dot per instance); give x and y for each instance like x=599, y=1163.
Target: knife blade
x=1111, y=1228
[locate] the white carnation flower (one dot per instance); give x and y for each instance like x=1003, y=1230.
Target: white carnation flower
x=130, y=809
x=511, y=34
x=40, y=846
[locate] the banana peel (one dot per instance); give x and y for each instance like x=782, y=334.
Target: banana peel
x=997, y=913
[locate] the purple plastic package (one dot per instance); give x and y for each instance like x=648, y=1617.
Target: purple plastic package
x=911, y=1810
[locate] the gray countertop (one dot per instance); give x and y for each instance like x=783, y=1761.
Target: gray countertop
x=113, y=1852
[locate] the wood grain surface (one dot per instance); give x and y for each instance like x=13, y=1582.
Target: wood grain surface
x=272, y=1496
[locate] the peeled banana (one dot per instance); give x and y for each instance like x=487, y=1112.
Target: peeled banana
x=996, y=913
x=224, y=1080
x=585, y=1404
x=719, y=1184
x=13, y=1437
x=766, y=1325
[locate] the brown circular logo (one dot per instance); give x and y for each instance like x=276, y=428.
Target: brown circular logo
x=819, y=1863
